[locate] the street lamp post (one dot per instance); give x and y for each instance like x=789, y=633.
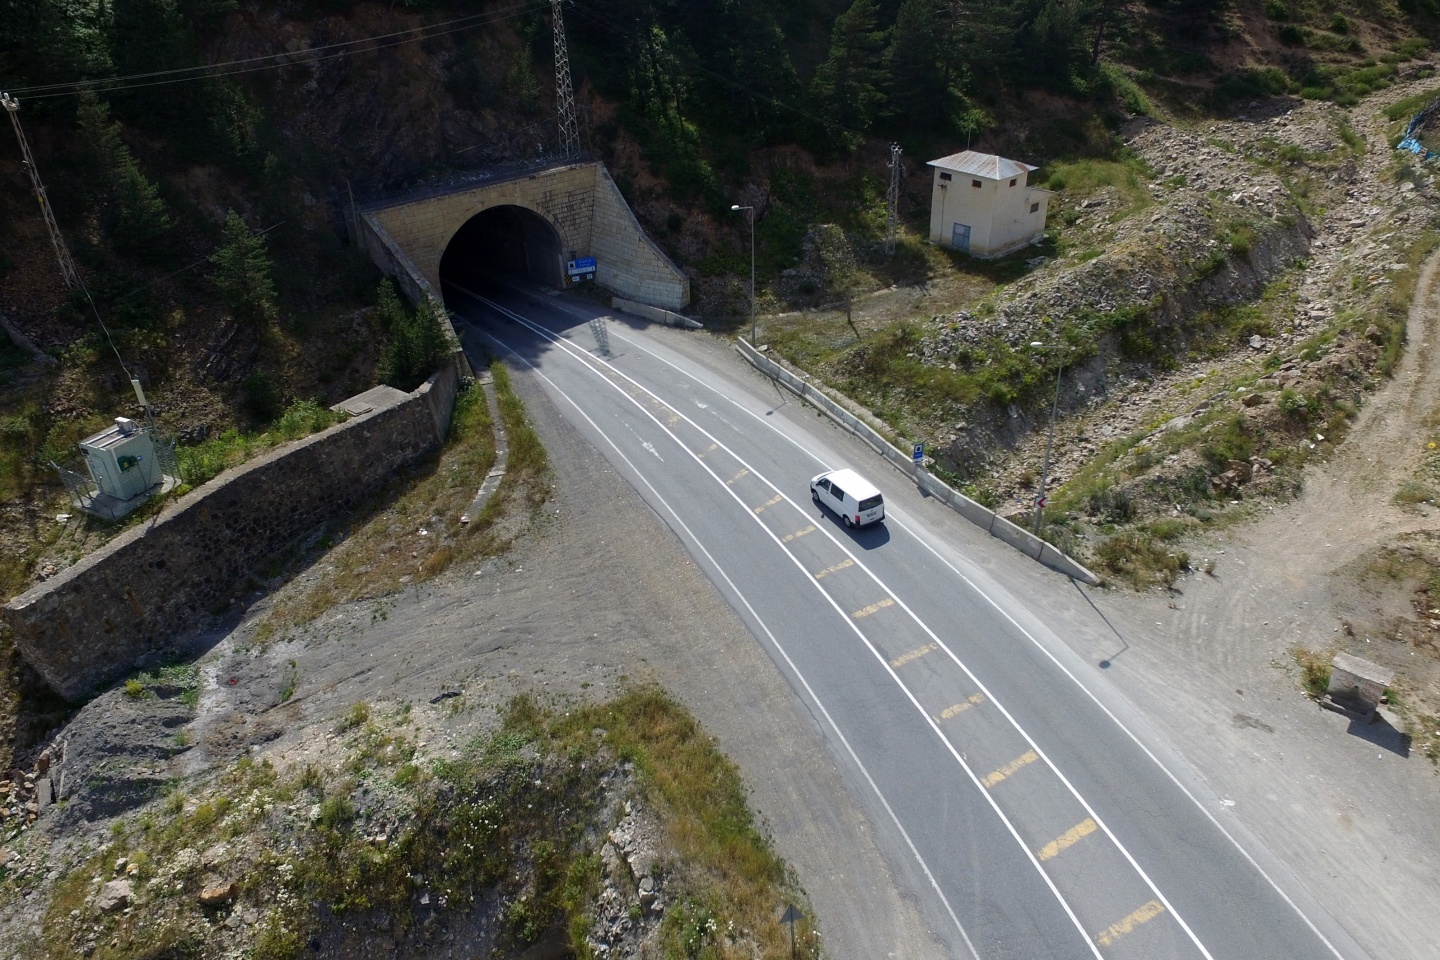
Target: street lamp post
x=736, y=208
x=1050, y=440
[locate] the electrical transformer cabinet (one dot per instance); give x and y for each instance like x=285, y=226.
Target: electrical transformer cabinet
x=121, y=460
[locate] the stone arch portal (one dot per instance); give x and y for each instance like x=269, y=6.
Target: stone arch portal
x=532, y=222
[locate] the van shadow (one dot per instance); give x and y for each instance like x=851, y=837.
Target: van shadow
x=866, y=538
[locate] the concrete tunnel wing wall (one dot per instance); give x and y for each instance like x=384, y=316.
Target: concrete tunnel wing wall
x=579, y=201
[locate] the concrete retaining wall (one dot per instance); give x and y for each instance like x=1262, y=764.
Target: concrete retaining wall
x=994, y=524
x=667, y=317
x=128, y=601
x=627, y=260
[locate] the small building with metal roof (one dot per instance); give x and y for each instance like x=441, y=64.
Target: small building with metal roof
x=981, y=204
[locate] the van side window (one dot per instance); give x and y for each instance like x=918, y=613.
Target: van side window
x=837, y=492
x=823, y=484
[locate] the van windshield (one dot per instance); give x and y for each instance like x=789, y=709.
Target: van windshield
x=872, y=502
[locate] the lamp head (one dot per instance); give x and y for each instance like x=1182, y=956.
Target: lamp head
x=736, y=207
x=1037, y=344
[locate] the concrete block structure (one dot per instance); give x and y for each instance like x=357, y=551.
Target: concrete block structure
x=548, y=217
x=981, y=204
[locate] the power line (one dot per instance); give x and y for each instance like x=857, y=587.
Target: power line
x=274, y=61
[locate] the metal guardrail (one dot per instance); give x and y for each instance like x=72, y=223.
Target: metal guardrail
x=997, y=526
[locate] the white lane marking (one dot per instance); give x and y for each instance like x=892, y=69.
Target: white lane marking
x=815, y=698
x=586, y=360
x=1134, y=738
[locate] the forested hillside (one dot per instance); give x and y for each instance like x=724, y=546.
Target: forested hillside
x=200, y=156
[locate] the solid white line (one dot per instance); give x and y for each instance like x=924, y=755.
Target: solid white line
x=1134, y=738
x=820, y=704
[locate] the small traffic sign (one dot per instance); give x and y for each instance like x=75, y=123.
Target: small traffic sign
x=919, y=454
x=791, y=915
x=1041, y=500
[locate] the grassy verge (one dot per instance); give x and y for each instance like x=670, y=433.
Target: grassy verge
x=415, y=532
x=382, y=842
x=204, y=461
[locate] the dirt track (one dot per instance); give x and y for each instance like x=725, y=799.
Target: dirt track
x=1347, y=806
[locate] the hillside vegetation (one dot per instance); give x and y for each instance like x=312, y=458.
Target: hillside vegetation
x=1233, y=249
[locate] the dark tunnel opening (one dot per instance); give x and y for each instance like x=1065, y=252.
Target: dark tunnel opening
x=504, y=240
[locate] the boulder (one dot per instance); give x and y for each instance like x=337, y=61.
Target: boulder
x=115, y=895
x=221, y=895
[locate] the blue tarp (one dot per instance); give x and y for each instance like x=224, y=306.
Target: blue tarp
x=1408, y=142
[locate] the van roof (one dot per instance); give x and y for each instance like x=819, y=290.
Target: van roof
x=853, y=484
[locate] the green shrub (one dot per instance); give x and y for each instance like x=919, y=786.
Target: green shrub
x=1142, y=560
x=418, y=345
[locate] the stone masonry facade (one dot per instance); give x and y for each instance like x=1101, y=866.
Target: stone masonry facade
x=580, y=201
x=128, y=602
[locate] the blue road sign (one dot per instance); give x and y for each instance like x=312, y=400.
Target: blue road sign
x=919, y=453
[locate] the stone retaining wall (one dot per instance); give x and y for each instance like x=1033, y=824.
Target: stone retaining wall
x=94, y=622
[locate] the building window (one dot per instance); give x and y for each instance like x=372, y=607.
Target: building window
x=944, y=176
x=1034, y=208
x=1012, y=183
x=974, y=183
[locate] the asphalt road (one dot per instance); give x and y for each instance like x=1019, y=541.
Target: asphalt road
x=1027, y=812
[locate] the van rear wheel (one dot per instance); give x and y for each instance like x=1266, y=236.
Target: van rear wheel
x=848, y=521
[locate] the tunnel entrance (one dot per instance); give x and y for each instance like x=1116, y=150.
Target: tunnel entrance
x=504, y=239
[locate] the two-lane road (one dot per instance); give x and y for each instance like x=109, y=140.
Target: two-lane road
x=1030, y=820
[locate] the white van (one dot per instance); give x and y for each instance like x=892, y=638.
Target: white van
x=850, y=495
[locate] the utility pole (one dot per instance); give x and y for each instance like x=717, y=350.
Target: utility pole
x=892, y=200
x=62, y=253
x=564, y=92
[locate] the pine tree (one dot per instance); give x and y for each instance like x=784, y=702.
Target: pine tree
x=848, y=84
x=916, y=62
x=241, y=271
x=136, y=217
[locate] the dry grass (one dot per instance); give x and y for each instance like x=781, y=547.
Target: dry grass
x=417, y=533
x=1314, y=671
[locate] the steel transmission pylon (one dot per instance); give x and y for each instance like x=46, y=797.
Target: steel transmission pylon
x=62, y=252
x=564, y=92
x=892, y=200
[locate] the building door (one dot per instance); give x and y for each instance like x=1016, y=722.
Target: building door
x=960, y=237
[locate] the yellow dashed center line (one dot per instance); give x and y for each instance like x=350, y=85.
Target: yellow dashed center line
x=742, y=473
x=877, y=605
x=1121, y=927
x=1025, y=759
x=1067, y=839
x=768, y=503
x=905, y=658
x=799, y=533
x=832, y=569
x=961, y=707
